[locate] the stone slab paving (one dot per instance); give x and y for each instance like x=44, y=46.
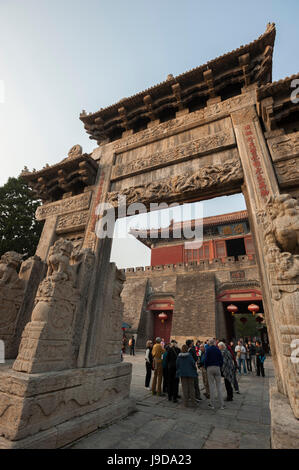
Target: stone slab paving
x=160, y=424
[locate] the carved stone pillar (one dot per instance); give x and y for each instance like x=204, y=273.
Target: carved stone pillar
x=49, y=398
x=47, y=237
x=47, y=340
x=12, y=289
x=273, y=223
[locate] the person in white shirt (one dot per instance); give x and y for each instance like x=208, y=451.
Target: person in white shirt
x=240, y=351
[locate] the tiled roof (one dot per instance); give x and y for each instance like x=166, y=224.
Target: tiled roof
x=225, y=218
x=224, y=71
x=270, y=32
x=207, y=222
x=273, y=88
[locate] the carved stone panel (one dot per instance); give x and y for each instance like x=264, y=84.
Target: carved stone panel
x=193, y=149
x=65, y=206
x=287, y=172
x=112, y=326
x=72, y=222
x=284, y=146
x=182, y=186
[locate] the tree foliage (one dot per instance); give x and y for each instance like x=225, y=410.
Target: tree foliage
x=19, y=231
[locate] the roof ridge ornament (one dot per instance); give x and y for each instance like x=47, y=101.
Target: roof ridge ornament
x=270, y=26
x=75, y=151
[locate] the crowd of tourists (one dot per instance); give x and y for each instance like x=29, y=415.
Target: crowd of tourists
x=213, y=359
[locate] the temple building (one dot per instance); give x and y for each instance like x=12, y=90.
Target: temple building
x=186, y=290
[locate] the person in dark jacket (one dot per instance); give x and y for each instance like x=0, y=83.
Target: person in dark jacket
x=132, y=346
x=186, y=370
x=213, y=363
x=165, y=369
x=227, y=370
x=231, y=350
x=260, y=358
x=201, y=365
x=148, y=363
x=250, y=347
x=173, y=381
x=192, y=351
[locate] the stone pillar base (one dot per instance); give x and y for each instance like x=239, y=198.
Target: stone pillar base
x=284, y=425
x=51, y=410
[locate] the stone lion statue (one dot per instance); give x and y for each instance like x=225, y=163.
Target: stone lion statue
x=9, y=265
x=282, y=234
x=59, y=268
x=284, y=214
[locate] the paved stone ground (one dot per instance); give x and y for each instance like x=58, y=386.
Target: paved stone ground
x=160, y=424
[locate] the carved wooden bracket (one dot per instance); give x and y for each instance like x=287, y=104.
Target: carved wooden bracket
x=148, y=101
x=208, y=77
x=123, y=115
x=244, y=61
x=176, y=88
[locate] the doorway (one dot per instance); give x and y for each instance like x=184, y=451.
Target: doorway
x=162, y=328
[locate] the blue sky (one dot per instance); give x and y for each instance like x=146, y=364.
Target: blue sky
x=61, y=56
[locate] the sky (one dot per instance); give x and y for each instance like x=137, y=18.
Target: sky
x=58, y=57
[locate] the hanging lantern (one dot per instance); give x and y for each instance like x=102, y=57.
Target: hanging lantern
x=162, y=316
x=259, y=319
x=253, y=308
x=243, y=320
x=232, y=309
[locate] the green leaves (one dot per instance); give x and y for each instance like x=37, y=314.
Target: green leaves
x=19, y=231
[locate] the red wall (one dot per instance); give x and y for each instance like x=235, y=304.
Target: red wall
x=167, y=255
x=175, y=254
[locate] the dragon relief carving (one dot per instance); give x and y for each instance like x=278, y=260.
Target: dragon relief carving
x=282, y=235
x=183, y=184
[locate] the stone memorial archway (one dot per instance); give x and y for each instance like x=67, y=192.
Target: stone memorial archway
x=219, y=129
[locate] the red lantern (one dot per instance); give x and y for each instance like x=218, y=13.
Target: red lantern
x=232, y=309
x=253, y=308
x=162, y=316
x=243, y=320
